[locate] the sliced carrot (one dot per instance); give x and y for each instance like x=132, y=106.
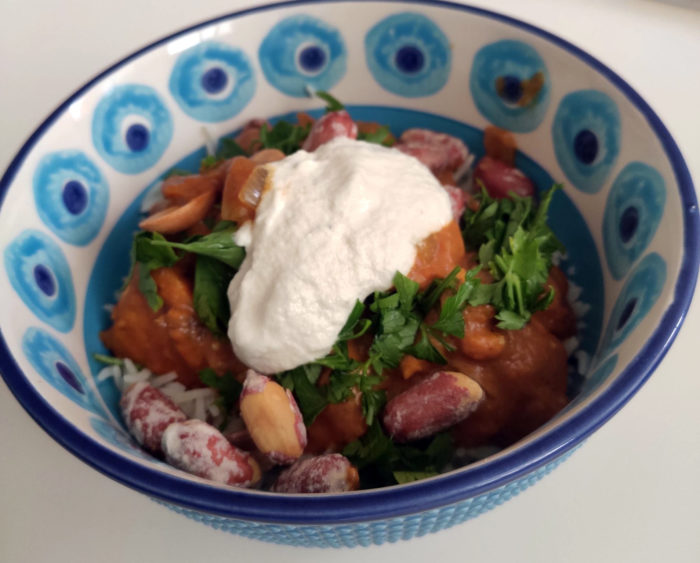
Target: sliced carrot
x=185, y=188
x=438, y=255
x=178, y=218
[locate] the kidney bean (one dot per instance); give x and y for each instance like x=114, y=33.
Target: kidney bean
x=199, y=448
x=147, y=413
x=330, y=126
x=500, y=180
x=331, y=473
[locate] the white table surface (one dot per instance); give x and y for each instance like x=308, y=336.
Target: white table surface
x=631, y=493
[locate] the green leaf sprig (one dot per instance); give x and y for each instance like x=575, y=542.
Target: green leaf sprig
x=395, y=319
x=381, y=462
x=218, y=258
x=228, y=388
x=516, y=245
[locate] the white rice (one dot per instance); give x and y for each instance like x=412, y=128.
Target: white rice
x=195, y=403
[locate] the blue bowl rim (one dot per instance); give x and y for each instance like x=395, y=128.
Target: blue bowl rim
x=389, y=502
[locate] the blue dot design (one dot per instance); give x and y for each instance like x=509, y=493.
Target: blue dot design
x=632, y=214
x=303, y=51
x=39, y=273
x=408, y=55
x=131, y=128
x=55, y=364
x=586, y=137
x=638, y=296
x=498, y=83
x=71, y=196
x=212, y=82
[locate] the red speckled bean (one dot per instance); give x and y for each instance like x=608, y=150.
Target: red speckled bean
x=330, y=473
x=500, y=180
x=199, y=448
x=147, y=413
x=437, y=402
x=438, y=151
x=332, y=125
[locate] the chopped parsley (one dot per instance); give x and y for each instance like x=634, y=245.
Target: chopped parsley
x=395, y=319
x=284, y=136
x=382, y=462
x=332, y=104
x=228, y=387
x=150, y=256
x=218, y=258
x=516, y=245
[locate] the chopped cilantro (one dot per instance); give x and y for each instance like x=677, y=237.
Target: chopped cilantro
x=109, y=360
x=229, y=389
x=382, y=136
x=331, y=103
x=284, y=136
x=218, y=244
x=381, y=462
x=302, y=382
x=228, y=148
x=149, y=255
x=211, y=281
x=516, y=245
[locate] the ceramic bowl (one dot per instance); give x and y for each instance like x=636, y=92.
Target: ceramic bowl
x=70, y=201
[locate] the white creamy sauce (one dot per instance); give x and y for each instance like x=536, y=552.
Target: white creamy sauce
x=332, y=227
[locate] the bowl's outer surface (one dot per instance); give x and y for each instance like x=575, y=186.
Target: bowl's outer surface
x=629, y=217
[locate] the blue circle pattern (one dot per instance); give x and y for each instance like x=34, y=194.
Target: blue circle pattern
x=39, y=273
x=71, y=196
x=131, y=128
x=55, y=364
x=212, y=82
x=636, y=299
x=303, y=51
x=632, y=214
x=408, y=55
x=514, y=62
x=581, y=117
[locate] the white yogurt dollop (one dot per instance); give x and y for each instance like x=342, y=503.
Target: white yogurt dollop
x=333, y=226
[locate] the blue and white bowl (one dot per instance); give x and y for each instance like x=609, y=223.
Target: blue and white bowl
x=70, y=201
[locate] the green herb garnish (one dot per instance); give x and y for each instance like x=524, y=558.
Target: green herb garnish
x=149, y=255
x=396, y=320
x=516, y=245
x=332, y=104
x=211, y=281
x=283, y=136
x=381, y=136
x=109, y=360
x=228, y=387
x=381, y=462
x=218, y=244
